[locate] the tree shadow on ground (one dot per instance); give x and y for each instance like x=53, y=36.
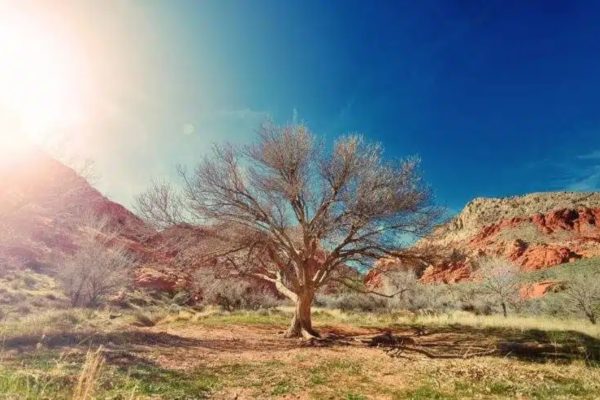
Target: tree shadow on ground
x=91, y=339
x=139, y=339
x=453, y=341
x=145, y=376
x=461, y=341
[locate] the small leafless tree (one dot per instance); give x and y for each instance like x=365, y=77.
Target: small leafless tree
x=296, y=215
x=583, y=294
x=98, y=268
x=501, y=280
x=401, y=284
x=161, y=205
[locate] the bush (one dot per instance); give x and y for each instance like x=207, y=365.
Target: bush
x=353, y=301
x=147, y=318
x=408, y=294
x=432, y=298
x=232, y=293
x=96, y=270
x=582, y=295
x=501, y=281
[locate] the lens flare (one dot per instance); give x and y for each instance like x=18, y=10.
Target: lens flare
x=41, y=80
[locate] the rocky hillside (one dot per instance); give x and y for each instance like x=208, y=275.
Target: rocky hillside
x=535, y=231
x=42, y=203
x=45, y=206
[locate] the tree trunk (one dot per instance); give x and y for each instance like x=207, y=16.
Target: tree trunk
x=504, y=310
x=301, y=325
x=592, y=317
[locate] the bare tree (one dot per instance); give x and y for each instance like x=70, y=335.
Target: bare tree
x=400, y=285
x=583, y=294
x=161, y=205
x=298, y=216
x=98, y=267
x=500, y=280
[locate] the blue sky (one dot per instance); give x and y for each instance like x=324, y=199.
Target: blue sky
x=497, y=97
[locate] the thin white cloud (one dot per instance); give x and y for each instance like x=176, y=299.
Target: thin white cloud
x=587, y=181
x=594, y=155
x=579, y=172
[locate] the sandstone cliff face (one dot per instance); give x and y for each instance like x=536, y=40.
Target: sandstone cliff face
x=535, y=231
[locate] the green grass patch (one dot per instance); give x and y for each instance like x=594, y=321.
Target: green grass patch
x=355, y=396
x=424, y=392
x=170, y=384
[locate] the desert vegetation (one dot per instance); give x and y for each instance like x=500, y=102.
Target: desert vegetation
x=213, y=353
x=260, y=236
x=583, y=294
x=226, y=200
x=98, y=267
x=429, y=341
x=149, y=345
x=500, y=281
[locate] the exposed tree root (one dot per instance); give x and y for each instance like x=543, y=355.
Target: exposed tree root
x=328, y=341
x=301, y=333
x=539, y=350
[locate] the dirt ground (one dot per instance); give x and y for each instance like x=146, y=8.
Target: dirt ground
x=257, y=362
x=184, y=360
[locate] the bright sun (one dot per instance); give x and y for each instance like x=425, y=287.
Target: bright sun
x=41, y=80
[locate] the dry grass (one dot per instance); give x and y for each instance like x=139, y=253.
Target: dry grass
x=222, y=355
x=58, y=321
x=90, y=372
x=512, y=322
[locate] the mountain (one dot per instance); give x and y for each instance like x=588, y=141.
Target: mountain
x=45, y=207
x=535, y=231
x=42, y=202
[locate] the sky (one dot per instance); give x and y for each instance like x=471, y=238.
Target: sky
x=498, y=98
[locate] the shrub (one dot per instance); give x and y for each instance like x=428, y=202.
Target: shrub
x=353, y=301
x=97, y=268
x=232, y=294
x=583, y=295
x=148, y=318
x=432, y=298
x=501, y=281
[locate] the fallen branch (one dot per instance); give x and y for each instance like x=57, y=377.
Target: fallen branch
x=399, y=350
x=398, y=346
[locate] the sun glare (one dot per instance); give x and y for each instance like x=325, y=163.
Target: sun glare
x=41, y=80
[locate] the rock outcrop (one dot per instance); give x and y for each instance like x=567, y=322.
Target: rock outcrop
x=157, y=277
x=534, y=231
x=540, y=289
